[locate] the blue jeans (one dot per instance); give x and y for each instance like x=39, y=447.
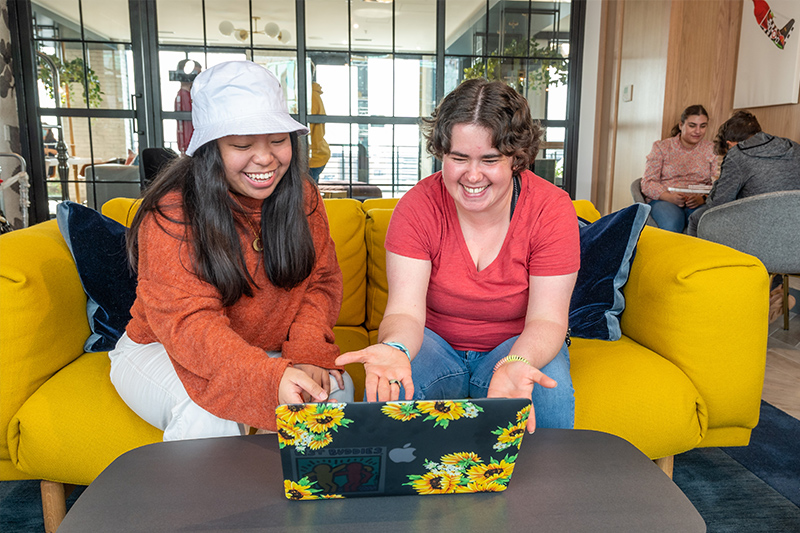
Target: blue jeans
x=669, y=216
x=315, y=172
x=441, y=372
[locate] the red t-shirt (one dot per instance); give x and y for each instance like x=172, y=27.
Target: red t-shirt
x=474, y=310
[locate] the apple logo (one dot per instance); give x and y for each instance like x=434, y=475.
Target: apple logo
x=402, y=455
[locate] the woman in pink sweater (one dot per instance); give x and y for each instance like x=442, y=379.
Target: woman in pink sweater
x=681, y=162
x=238, y=283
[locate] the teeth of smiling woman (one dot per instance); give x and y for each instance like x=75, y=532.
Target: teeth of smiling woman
x=260, y=177
x=474, y=190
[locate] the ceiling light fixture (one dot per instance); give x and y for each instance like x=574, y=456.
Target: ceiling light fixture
x=271, y=29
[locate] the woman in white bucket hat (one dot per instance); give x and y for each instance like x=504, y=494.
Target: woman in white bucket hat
x=238, y=283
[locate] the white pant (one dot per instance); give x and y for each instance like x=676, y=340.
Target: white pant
x=147, y=382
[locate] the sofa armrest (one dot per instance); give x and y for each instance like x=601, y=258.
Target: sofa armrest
x=703, y=306
x=43, y=324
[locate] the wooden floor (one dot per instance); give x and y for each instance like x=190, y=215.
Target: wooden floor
x=782, y=379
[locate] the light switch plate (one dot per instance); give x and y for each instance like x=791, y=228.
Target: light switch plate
x=627, y=93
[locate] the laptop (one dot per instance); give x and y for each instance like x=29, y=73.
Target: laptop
x=343, y=450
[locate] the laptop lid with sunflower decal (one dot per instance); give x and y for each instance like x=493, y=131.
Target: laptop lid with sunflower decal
x=331, y=450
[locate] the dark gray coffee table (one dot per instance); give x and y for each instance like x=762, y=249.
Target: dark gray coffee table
x=564, y=481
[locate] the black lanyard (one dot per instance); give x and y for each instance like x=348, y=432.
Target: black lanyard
x=515, y=193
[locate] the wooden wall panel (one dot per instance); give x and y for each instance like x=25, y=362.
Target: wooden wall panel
x=643, y=66
x=698, y=66
x=701, y=65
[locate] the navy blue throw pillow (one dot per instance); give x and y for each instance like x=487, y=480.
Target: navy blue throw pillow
x=97, y=244
x=608, y=247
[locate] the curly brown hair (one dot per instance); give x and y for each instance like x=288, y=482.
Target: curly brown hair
x=742, y=125
x=494, y=106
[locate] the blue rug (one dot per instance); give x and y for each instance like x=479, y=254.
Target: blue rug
x=750, y=489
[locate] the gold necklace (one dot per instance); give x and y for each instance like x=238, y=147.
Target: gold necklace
x=257, y=241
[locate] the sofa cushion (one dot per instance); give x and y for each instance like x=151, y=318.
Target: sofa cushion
x=97, y=244
x=635, y=393
x=377, y=286
x=76, y=424
x=608, y=247
x=346, y=221
x=42, y=318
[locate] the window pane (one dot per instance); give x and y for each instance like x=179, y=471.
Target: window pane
x=465, y=27
x=549, y=163
x=275, y=26
x=454, y=68
x=327, y=26
x=181, y=22
x=108, y=20
x=417, y=95
x=111, y=84
x=103, y=21
x=230, y=24
x=284, y=66
x=375, y=148
x=508, y=28
x=413, y=162
x=343, y=164
x=547, y=80
x=56, y=19
x=67, y=60
x=415, y=26
x=331, y=71
x=372, y=79
x=371, y=26
x=177, y=70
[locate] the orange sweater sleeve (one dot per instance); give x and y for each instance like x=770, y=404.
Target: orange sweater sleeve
x=219, y=352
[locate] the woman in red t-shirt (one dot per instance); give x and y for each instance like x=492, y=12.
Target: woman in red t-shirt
x=481, y=259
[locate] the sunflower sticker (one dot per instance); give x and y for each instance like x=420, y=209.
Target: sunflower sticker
x=309, y=426
x=463, y=472
x=442, y=412
x=513, y=433
x=305, y=490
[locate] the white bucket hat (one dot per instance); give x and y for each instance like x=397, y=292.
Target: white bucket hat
x=238, y=98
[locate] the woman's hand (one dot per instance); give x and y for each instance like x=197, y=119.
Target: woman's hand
x=296, y=385
x=322, y=376
x=693, y=201
x=516, y=380
x=386, y=369
x=673, y=198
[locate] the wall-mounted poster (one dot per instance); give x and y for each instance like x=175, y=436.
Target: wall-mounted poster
x=768, y=70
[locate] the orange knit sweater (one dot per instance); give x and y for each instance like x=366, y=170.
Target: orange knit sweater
x=219, y=353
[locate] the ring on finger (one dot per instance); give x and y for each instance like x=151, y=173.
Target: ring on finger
x=394, y=382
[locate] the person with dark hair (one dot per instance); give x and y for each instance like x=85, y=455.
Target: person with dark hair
x=675, y=166
x=481, y=260
x=754, y=163
x=238, y=282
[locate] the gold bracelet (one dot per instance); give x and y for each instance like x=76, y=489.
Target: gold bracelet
x=510, y=359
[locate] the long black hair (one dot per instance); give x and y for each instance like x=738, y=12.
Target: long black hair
x=208, y=208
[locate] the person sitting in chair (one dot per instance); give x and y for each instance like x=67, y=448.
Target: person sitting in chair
x=755, y=163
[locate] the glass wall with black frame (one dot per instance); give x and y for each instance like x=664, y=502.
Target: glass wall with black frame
x=83, y=98
x=367, y=71
x=526, y=45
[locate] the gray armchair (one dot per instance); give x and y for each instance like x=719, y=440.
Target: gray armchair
x=638, y=197
x=766, y=226
x=107, y=181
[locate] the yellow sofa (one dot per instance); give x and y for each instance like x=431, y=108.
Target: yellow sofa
x=687, y=372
